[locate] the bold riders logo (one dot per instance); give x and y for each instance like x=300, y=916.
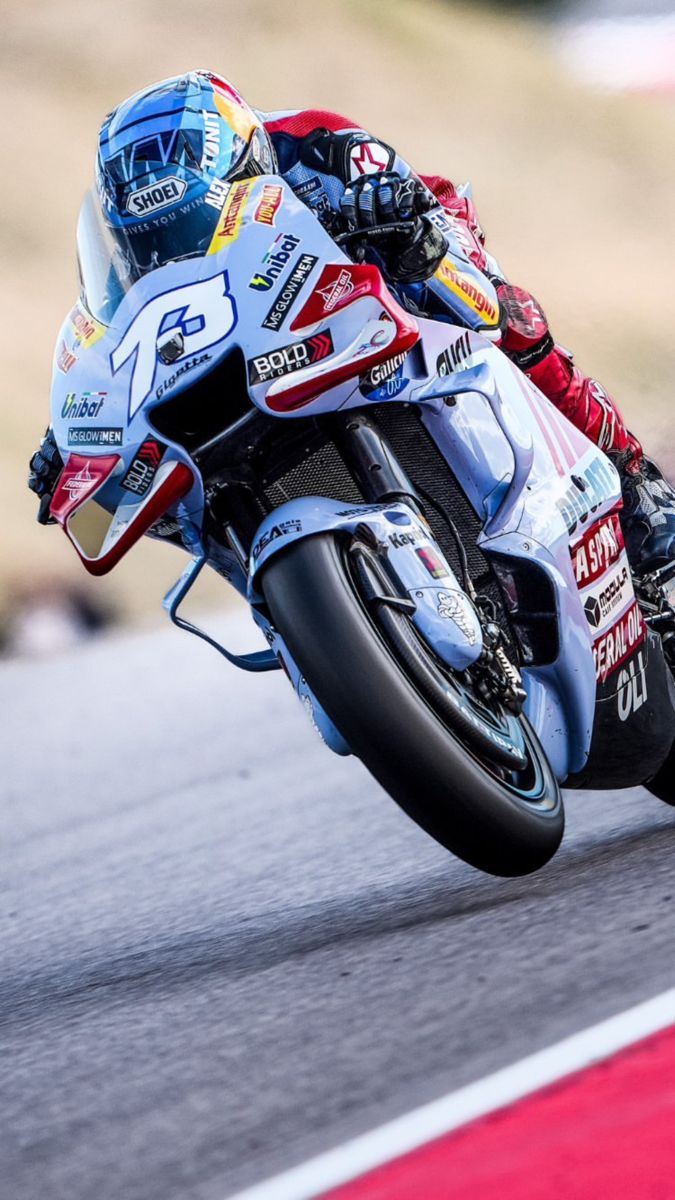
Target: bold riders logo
x=287, y=359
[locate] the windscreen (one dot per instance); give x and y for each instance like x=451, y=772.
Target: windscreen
x=111, y=259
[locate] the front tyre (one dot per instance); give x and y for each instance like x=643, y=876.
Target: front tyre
x=376, y=682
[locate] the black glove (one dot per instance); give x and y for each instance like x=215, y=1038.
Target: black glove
x=383, y=198
x=375, y=201
x=45, y=467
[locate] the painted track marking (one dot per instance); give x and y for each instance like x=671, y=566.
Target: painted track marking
x=496, y=1091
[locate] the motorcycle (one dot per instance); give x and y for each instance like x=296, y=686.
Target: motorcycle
x=432, y=552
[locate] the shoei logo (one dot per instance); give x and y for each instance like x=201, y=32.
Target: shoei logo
x=156, y=195
x=196, y=316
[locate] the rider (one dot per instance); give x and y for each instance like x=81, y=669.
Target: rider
x=195, y=133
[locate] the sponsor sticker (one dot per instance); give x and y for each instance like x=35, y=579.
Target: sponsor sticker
x=632, y=691
x=597, y=551
x=454, y=356
x=398, y=540
x=85, y=435
x=78, y=484
x=468, y=291
x=291, y=358
x=197, y=361
x=618, y=643
x=598, y=485
x=609, y=596
x=451, y=608
x=307, y=188
x=278, y=256
x=268, y=205
x=229, y=225
x=65, y=359
x=154, y=196
x=143, y=469
x=86, y=329
x=277, y=531
x=336, y=291
x=432, y=562
x=289, y=290
x=89, y=404
x=383, y=381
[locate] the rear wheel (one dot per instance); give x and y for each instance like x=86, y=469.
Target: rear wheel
x=472, y=775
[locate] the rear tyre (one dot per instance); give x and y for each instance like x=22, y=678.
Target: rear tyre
x=397, y=707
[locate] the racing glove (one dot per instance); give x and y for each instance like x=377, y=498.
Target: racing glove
x=413, y=250
x=44, y=469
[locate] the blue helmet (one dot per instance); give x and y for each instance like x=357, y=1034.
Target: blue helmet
x=165, y=158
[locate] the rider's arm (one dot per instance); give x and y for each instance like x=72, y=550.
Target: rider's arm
x=355, y=182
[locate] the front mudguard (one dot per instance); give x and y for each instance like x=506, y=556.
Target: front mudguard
x=444, y=615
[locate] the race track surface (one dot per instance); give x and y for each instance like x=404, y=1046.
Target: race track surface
x=224, y=950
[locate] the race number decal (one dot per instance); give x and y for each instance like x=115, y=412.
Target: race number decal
x=188, y=319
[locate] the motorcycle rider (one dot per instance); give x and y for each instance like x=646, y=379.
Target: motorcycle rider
x=198, y=131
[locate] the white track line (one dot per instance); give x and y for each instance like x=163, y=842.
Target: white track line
x=422, y=1125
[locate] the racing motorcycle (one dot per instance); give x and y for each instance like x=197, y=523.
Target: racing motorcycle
x=431, y=551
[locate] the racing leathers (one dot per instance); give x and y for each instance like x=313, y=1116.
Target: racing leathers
x=350, y=179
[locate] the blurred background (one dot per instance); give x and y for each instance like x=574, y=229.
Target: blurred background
x=562, y=115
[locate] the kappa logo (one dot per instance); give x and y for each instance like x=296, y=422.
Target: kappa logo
x=289, y=358
x=143, y=469
x=368, y=158
x=156, y=195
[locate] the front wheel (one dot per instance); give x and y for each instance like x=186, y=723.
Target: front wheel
x=418, y=727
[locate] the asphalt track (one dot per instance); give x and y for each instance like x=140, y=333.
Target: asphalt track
x=224, y=950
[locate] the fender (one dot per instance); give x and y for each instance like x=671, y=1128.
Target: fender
x=444, y=614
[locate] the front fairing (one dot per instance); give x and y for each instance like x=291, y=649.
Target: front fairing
x=176, y=324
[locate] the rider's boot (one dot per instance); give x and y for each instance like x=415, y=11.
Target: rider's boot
x=648, y=516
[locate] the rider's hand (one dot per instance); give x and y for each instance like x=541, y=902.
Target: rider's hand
x=383, y=199
x=411, y=254
x=45, y=467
